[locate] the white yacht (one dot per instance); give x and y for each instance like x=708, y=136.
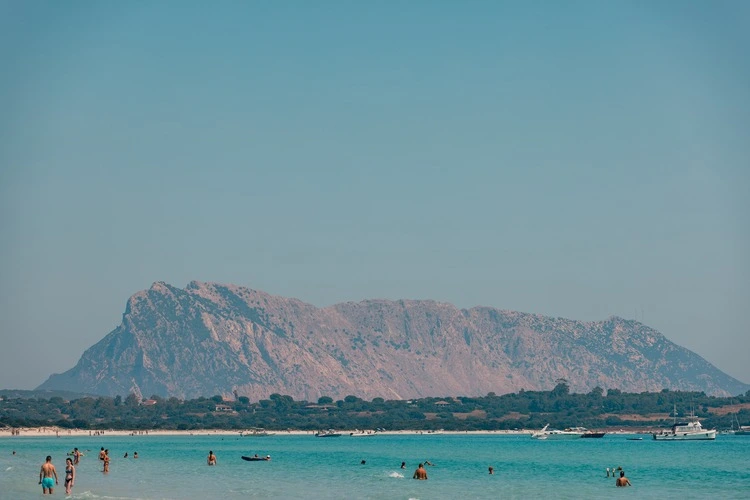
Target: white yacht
x=555, y=434
x=689, y=430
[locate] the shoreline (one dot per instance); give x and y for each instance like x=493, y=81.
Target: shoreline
x=63, y=432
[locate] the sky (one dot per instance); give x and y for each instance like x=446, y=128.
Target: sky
x=575, y=159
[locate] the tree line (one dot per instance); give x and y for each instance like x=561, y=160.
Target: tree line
x=522, y=410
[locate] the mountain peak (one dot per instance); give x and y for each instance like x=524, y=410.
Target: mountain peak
x=213, y=338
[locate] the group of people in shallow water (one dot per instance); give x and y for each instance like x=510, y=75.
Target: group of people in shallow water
x=48, y=473
x=622, y=480
x=48, y=476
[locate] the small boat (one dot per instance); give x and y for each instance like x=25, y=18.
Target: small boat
x=741, y=430
x=330, y=433
x=257, y=458
x=555, y=434
x=593, y=434
x=691, y=430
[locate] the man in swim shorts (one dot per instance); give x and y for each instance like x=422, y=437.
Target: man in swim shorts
x=46, y=475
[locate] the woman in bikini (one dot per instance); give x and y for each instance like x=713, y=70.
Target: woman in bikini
x=70, y=475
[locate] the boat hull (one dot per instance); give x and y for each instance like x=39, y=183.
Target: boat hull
x=590, y=435
x=557, y=436
x=686, y=436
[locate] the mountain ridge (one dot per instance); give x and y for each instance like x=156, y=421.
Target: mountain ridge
x=213, y=338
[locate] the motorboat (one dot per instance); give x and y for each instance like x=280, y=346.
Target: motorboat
x=688, y=430
x=555, y=434
x=592, y=434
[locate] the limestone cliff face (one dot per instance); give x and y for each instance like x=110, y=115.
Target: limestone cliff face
x=210, y=339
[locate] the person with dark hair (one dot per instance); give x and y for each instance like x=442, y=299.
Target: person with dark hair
x=46, y=475
x=420, y=473
x=211, y=460
x=622, y=480
x=70, y=475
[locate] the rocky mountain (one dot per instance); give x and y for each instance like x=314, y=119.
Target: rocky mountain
x=210, y=339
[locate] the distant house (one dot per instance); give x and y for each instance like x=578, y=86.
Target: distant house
x=149, y=402
x=223, y=408
x=441, y=403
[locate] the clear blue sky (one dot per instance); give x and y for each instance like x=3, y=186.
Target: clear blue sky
x=574, y=159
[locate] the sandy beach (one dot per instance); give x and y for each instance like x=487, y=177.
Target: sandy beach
x=62, y=432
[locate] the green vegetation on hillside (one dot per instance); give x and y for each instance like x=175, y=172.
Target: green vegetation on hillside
x=525, y=409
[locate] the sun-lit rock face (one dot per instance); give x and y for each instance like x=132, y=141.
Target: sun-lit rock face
x=210, y=339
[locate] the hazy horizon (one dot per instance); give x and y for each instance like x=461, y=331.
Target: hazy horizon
x=579, y=160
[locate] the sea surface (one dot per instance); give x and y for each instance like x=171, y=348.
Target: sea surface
x=304, y=466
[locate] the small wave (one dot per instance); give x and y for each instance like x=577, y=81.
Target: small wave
x=89, y=494
x=396, y=474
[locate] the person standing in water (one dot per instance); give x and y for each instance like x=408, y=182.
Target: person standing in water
x=420, y=473
x=48, y=476
x=211, y=460
x=70, y=476
x=622, y=480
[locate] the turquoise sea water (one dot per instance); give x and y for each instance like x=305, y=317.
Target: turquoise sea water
x=303, y=466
